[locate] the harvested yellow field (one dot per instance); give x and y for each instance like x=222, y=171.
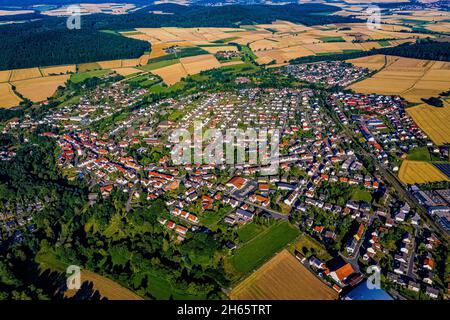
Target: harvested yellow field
x=412, y=79
x=130, y=62
x=439, y=27
x=220, y=48
x=418, y=172
x=375, y=62
x=48, y=71
x=264, y=60
x=8, y=98
x=280, y=35
x=433, y=121
x=106, y=288
x=171, y=74
x=283, y=278
x=4, y=75
x=143, y=60
x=22, y=74
x=110, y=64
x=39, y=89
x=197, y=64
x=82, y=67
x=126, y=71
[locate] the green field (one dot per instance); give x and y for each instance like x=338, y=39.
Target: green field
x=263, y=246
x=384, y=43
x=162, y=289
x=351, y=50
x=332, y=39
x=419, y=154
x=78, y=77
x=362, y=195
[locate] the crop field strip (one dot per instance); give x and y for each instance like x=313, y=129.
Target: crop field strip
x=282, y=278
x=433, y=121
x=419, y=172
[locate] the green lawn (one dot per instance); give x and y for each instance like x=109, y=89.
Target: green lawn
x=384, y=43
x=249, y=231
x=262, y=247
x=332, y=39
x=362, y=195
x=248, y=52
x=239, y=68
x=78, y=77
x=419, y=154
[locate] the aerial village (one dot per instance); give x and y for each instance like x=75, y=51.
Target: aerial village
x=323, y=186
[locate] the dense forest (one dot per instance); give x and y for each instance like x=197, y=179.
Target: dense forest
x=22, y=47
x=49, y=42
x=423, y=49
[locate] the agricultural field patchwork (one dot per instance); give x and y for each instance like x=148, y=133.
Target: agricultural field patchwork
x=412, y=79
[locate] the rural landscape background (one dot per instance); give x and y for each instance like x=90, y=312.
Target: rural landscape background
x=91, y=93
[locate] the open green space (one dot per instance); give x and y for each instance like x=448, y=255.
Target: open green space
x=78, y=77
x=262, y=247
x=419, y=154
x=332, y=39
x=384, y=43
x=225, y=40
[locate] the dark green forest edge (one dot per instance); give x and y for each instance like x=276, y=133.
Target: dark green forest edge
x=47, y=41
